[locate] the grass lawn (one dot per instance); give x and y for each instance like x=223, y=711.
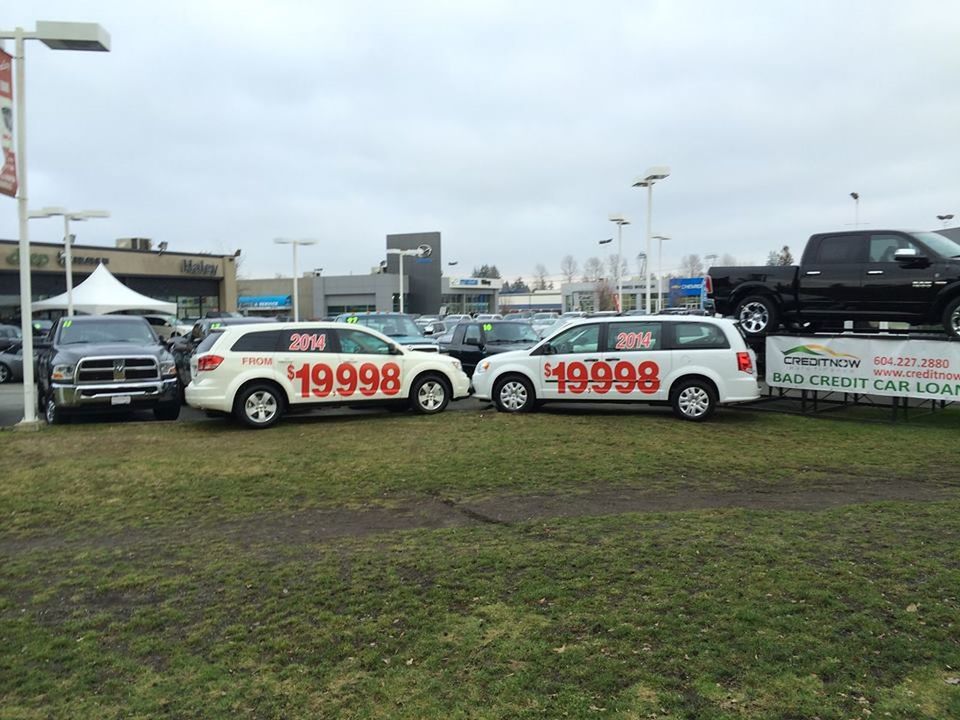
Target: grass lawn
x=190, y=570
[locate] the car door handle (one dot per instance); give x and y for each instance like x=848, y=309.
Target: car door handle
x=591, y=359
x=612, y=359
x=812, y=272
x=874, y=272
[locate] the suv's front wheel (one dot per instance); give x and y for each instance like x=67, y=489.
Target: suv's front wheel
x=259, y=406
x=429, y=395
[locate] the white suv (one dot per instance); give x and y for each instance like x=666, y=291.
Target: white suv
x=258, y=372
x=693, y=363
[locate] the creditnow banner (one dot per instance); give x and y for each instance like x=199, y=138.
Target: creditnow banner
x=874, y=366
x=8, y=175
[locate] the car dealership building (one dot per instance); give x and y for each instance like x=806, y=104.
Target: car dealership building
x=196, y=282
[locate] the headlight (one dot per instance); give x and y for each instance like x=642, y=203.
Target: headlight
x=168, y=369
x=456, y=363
x=483, y=367
x=62, y=372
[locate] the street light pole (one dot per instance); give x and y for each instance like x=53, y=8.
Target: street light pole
x=296, y=289
x=414, y=253
x=620, y=220
x=652, y=176
x=660, y=238
x=856, y=209
x=57, y=36
x=68, y=239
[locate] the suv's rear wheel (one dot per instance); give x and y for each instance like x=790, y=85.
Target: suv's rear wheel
x=429, y=395
x=693, y=400
x=758, y=315
x=259, y=406
x=514, y=394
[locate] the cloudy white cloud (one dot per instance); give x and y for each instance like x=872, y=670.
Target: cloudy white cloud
x=514, y=128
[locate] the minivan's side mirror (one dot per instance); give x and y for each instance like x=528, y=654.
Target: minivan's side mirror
x=548, y=349
x=396, y=350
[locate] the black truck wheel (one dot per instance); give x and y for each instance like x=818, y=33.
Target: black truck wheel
x=167, y=411
x=951, y=318
x=758, y=315
x=53, y=413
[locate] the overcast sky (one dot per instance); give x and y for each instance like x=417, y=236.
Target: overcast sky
x=513, y=127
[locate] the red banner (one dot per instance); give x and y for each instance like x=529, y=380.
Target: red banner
x=8, y=176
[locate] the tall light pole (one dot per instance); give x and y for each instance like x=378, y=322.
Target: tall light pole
x=296, y=244
x=57, y=36
x=660, y=238
x=402, y=254
x=620, y=220
x=67, y=216
x=653, y=175
x=856, y=209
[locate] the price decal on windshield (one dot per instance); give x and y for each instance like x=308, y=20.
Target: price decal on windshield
x=601, y=378
x=319, y=380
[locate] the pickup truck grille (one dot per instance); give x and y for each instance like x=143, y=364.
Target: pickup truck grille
x=117, y=370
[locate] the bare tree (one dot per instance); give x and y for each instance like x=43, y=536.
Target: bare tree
x=728, y=260
x=569, y=267
x=618, y=266
x=773, y=257
x=606, y=295
x=592, y=269
x=691, y=265
x=540, y=273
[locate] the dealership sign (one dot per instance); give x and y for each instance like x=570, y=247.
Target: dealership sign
x=8, y=175
x=927, y=369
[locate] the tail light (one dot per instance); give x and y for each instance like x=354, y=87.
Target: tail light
x=744, y=362
x=206, y=363
x=708, y=284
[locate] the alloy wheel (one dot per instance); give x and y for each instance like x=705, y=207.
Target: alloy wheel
x=260, y=407
x=431, y=395
x=754, y=317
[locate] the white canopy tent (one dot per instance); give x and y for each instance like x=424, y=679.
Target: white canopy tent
x=102, y=293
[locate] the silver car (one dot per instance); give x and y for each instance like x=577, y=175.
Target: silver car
x=11, y=365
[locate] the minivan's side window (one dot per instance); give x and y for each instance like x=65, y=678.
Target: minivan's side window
x=306, y=340
x=634, y=336
x=262, y=341
x=579, y=339
x=698, y=336
x=840, y=249
x=361, y=343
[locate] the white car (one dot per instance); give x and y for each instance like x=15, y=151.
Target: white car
x=692, y=363
x=258, y=372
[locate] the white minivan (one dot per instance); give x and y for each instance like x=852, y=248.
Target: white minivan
x=692, y=363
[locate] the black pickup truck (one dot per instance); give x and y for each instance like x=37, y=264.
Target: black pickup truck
x=473, y=341
x=859, y=275
x=102, y=363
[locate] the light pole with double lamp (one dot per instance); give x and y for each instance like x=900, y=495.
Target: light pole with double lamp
x=652, y=176
x=68, y=239
x=660, y=238
x=296, y=271
x=57, y=36
x=403, y=253
x=620, y=220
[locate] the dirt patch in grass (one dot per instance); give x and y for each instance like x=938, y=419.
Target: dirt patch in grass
x=318, y=525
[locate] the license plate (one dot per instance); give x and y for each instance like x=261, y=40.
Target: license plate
x=120, y=400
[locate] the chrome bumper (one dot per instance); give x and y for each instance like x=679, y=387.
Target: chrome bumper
x=140, y=393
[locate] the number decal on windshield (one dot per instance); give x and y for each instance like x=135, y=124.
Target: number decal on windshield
x=308, y=342
x=624, y=377
x=319, y=380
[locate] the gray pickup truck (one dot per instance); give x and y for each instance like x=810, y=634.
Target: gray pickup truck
x=105, y=363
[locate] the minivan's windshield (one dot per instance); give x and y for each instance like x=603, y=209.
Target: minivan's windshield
x=119, y=331
x=940, y=244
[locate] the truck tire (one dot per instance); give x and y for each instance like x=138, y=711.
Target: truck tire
x=53, y=413
x=693, y=400
x=259, y=406
x=951, y=318
x=167, y=411
x=514, y=394
x=758, y=315
x=429, y=394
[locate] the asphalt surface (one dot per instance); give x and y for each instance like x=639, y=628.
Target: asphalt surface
x=11, y=410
